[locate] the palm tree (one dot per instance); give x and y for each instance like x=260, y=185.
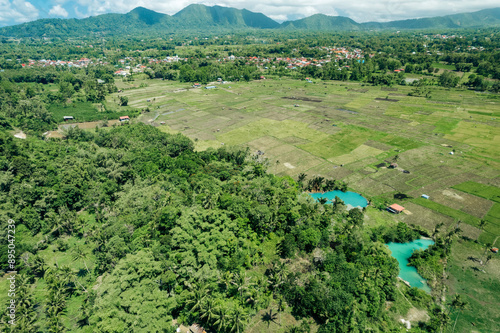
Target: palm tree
x=457, y=304
x=198, y=294
x=226, y=279
x=69, y=276
x=81, y=255
x=222, y=318
x=237, y=319
x=442, y=319
x=242, y=282
x=270, y=317
x=281, y=306
x=38, y=266
x=301, y=177
x=482, y=224
x=436, y=230
x=488, y=258
x=322, y=200
x=487, y=246
x=208, y=310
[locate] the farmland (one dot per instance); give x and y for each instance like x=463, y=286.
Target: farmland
x=352, y=132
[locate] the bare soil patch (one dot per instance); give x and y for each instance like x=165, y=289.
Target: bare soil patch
x=386, y=99
x=305, y=99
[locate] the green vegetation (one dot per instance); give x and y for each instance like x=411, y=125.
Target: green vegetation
x=197, y=17
x=194, y=210
x=82, y=111
x=481, y=190
x=192, y=229
x=455, y=214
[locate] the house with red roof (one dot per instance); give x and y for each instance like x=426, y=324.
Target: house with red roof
x=395, y=208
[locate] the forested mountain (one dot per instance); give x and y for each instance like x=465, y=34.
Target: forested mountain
x=197, y=17
x=322, y=22
x=482, y=18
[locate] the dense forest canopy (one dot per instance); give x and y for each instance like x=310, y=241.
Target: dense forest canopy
x=201, y=233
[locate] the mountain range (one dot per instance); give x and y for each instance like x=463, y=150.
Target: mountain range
x=197, y=17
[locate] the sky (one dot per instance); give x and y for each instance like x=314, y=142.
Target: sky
x=20, y=11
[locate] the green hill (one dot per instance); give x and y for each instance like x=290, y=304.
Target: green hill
x=479, y=19
x=200, y=16
x=196, y=17
x=322, y=22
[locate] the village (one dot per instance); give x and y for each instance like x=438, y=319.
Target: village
x=131, y=65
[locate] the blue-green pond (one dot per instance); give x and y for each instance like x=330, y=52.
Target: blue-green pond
x=402, y=252
x=349, y=198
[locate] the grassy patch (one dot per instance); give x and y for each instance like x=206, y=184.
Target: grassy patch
x=268, y=127
x=494, y=211
x=481, y=136
x=489, y=114
x=456, y=214
x=445, y=125
x=343, y=142
x=479, y=289
x=400, y=142
x=481, y=190
x=81, y=111
x=357, y=154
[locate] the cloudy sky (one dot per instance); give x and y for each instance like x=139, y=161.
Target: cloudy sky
x=19, y=11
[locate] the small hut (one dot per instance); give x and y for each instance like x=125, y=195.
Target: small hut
x=395, y=208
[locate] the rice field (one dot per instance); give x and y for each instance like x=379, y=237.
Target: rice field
x=352, y=132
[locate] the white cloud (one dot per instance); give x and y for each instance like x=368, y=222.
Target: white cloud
x=17, y=11
x=360, y=10
x=13, y=11
x=57, y=10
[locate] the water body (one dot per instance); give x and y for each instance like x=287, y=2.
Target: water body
x=402, y=252
x=349, y=198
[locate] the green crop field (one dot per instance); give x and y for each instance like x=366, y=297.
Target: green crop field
x=82, y=112
x=352, y=132
x=481, y=190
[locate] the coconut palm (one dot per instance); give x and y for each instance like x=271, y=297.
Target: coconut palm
x=242, y=282
x=221, y=318
x=198, y=294
x=436, y=229
x=458, y=304
x=81, y=255
x=237, y=319
x=270, y=317
x=301, y=177
x=207, y=310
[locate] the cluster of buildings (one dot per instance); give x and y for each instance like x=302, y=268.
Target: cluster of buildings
x=439, y=36
x=83, y=62
x=334, y=54
x=130, y=65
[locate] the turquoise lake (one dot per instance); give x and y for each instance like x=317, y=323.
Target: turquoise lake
x=349, y=198
x=402, y=252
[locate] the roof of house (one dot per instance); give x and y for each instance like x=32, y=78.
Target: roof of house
x=195, y=328
x=124, y=117
x=397, y=207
